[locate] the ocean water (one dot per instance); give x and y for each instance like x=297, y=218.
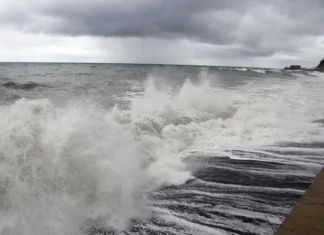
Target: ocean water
x=155, y=149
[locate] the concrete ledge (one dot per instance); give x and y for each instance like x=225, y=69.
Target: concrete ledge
x=307, y=217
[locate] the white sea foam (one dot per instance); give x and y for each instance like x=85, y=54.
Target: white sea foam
x=241, y=69
x=258, y=70
x=61, y=166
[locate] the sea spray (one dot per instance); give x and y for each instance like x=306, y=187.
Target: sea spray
x=62, y=166
x=65, y=165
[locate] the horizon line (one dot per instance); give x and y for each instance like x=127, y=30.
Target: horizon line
x=128, y=63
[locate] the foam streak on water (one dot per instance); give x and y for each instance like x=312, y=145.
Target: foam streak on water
x=210, y=154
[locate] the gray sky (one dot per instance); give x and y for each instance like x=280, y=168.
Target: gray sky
x=269, y=33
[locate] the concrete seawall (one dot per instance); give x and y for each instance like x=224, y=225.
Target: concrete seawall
x=307, y=217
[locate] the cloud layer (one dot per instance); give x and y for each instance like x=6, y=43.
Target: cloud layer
x=211, y=31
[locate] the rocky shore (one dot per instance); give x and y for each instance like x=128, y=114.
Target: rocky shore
x=319, y=67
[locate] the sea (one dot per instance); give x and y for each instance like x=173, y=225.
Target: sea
x=155, y=149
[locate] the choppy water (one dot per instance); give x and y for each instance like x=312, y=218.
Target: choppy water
x=151, y=149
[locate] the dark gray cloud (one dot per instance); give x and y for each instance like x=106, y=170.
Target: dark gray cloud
x=254, y=28
x=197, y=20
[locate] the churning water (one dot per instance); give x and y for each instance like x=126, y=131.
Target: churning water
x=148, y=149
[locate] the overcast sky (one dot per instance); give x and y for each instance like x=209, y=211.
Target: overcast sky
x=269, y=33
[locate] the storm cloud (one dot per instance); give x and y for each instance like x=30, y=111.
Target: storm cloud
x=284, y=30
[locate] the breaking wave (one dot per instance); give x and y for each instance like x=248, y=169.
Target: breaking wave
x=63, y=166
